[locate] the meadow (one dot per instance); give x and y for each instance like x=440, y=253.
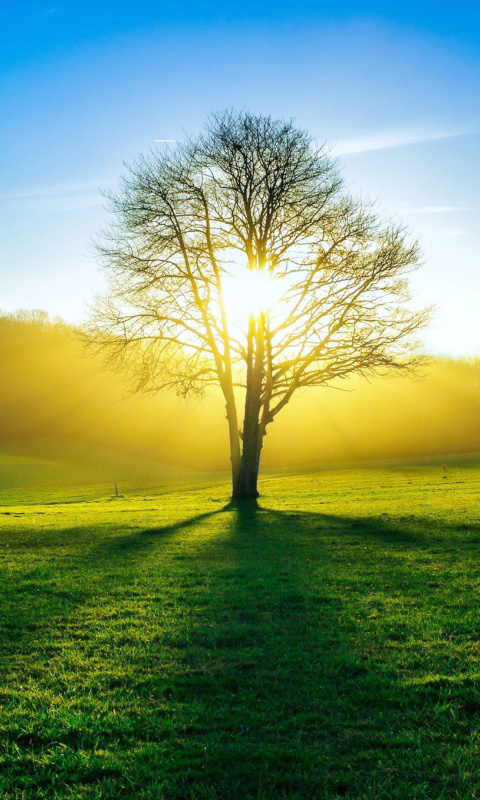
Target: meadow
x=167, y=644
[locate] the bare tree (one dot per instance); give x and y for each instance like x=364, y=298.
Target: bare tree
x=256, y=192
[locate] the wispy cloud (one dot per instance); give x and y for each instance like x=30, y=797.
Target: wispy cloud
x=384, y=140
x=70, y=195
x=406, y=209
x=67, y=187
x=448, y=232
x=166, y=140
x=48, y=11
x=65, y=203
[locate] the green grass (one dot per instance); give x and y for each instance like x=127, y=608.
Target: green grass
x=58, y=470
x=322, y=645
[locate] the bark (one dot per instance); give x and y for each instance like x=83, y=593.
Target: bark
x=235, y=453
x=250, y=464
x=253, y=431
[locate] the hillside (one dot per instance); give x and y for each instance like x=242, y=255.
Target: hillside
x=323, y=644
x=62, y=470
x=52, y=391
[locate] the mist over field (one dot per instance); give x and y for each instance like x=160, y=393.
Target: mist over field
x=52, y=391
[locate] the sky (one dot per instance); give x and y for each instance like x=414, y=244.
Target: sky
x=393, y=88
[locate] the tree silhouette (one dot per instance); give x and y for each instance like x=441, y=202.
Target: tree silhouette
x=250, y=193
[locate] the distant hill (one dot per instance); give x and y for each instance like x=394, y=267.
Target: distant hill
x=59, y=470
x=52, y=393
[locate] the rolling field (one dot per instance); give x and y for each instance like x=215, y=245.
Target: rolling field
x=167, y=645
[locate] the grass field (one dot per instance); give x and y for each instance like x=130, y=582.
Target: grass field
x=166, y=645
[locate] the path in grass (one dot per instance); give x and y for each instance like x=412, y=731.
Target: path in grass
x=322, y=645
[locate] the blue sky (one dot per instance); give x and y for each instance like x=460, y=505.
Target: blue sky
x=393, y=87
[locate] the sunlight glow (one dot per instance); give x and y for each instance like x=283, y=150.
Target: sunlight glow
x=249, y=292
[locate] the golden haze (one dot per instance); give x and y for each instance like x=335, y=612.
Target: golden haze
x=50, y=390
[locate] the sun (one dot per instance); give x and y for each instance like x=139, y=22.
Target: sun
x=247, y=291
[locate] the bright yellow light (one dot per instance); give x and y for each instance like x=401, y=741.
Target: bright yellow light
x=247, y=292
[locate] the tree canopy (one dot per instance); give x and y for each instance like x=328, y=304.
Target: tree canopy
x=251, y=196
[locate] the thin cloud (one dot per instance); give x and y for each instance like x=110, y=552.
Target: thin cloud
x=450, y=232
x=65, y=203
x=436, y=209
x=166, y=140
x=69, y=187
x=386, y=140
x=47, y=12
x=67, y=196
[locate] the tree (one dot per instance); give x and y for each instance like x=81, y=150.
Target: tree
x=254, y=194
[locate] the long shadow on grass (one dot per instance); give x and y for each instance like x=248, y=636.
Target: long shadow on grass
x=291, y=674
x=128, y=543
x=261, y=654
x=44, y=592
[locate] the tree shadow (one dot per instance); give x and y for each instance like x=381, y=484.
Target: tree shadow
x=145, y=538
x=295, y=653
x=257, y=653
x=43, y=595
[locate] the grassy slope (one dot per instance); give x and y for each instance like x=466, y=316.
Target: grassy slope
x=60, y=470
x=324, y=645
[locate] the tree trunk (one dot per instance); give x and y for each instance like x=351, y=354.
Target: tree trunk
x=235, y=454
x=246, y=485
x=250, y=463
